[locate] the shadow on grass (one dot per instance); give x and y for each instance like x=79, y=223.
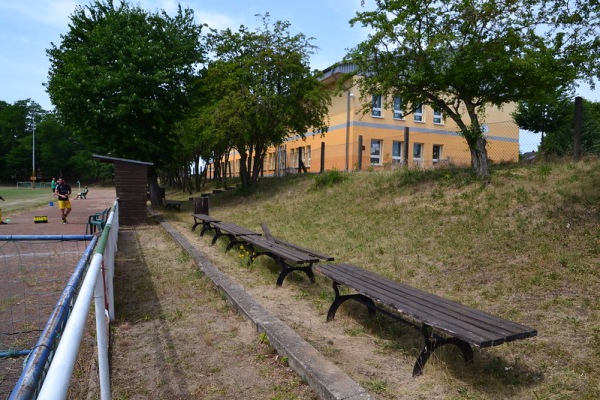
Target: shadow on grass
x=487, y=373
x=137, y=302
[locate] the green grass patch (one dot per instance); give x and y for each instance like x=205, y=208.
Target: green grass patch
x=524, y=247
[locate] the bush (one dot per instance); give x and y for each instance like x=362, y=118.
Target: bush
x=329, y=178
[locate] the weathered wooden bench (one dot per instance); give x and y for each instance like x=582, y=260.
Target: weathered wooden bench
x=440, y=321
x=172, y=204
x=205, y=220
x=232, y=231
x=288, y=256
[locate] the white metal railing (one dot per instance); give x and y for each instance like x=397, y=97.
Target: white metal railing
x=98, y=284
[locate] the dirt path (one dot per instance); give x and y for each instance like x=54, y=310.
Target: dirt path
x=22, y=223
x=176, y=338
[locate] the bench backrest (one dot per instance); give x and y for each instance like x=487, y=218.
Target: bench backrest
x=269, y=236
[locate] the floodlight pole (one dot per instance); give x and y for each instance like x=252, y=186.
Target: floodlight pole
x=33, y=152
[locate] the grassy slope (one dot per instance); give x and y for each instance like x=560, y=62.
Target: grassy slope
x=525, y=247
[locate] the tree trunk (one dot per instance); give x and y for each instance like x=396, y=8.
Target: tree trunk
x=479, y=159
x=477, y=144
x=244, y=173
x=153, y=188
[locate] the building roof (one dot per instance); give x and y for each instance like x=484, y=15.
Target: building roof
x=114, y=159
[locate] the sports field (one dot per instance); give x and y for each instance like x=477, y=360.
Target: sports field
x=34, y=273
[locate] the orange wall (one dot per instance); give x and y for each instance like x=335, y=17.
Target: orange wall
x=501, y=132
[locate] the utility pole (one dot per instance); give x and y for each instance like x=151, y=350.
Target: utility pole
x=33, y=176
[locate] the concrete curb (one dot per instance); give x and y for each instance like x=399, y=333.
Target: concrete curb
x=324, y=377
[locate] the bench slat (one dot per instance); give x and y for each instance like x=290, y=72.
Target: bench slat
x=270, y=237
x=280, y=250
x=204, y=218
x=474, y=326
x=456, y=310
x=233, y=229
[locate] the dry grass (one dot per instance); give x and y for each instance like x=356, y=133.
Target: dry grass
x=525, y=247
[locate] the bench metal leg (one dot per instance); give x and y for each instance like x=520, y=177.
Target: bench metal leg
x=205, y=227
x=218, y=234
x=339, y=299
x=432, y=343
x=232, y=242
x=287, y=269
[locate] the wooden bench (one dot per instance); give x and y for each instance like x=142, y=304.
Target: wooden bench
x=288, y=256
x=232, y=231
x=173, y=204
x=205, y=220
x=440, y=321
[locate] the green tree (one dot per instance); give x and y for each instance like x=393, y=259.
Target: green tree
x=18, y=123
x=120, y=79
x=559, y=140
x=548, y=114
x=266, y=91
x=461, y=56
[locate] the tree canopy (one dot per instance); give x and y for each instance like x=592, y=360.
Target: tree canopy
x=461, y=56
x=57, y=151
x=262, y=91
x=121, y=77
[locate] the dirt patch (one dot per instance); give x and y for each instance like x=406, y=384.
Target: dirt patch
x=378, y=363
x=175, y=337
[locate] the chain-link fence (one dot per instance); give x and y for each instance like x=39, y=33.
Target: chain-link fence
x=392, y=148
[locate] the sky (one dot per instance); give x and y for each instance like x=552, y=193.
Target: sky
x=28, y=27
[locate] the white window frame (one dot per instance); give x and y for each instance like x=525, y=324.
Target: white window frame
x=306, y=156
x=435, y=160
x=376, y=157
x=271, y=161
x=294, y=158
x=398, y=113
x=438, y=117
x=418, y=114
x=376, y=109
x=418, y=156
x=397, y=158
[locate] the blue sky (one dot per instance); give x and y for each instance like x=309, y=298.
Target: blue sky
x=28, y=27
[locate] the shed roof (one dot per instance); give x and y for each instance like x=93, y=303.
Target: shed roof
x=114, y=159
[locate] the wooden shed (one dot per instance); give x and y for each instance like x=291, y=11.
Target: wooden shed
x=131, y=184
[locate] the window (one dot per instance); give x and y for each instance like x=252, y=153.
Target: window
x=295, y=154
x=437, y=116
x=437, y=153
x=398, y=108
x=419, y=113
x=375, y=152
x=376, y=106
x=306, y=156
x=418, y=151
x=294, y=158
x=396, y=153
x=271, y=162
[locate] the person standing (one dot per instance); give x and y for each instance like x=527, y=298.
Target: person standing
x=63, y=191
x=53, y=185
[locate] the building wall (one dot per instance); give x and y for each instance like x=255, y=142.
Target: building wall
x=348, y=142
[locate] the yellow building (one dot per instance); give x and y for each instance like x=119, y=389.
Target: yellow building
x=384, y=138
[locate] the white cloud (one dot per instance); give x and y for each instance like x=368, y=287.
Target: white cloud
x=217, y=21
